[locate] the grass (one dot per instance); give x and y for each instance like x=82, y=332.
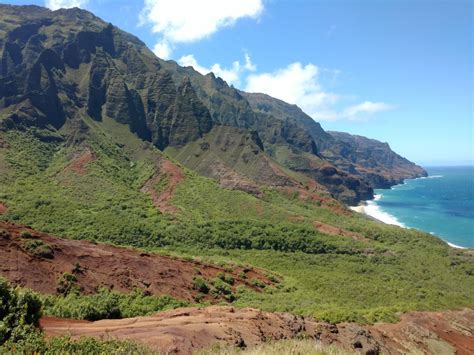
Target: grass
x=282, y=347
x=36, y=343
x=330, y=277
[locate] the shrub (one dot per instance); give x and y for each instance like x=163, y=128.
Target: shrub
x=226, y=278
x=67, y=284
x=200, y=285
x=223, y=289
x=39, y=248
x=257, y=283
x=26, y=234
x=20, y=311
x=36, y=343
x=108, y=304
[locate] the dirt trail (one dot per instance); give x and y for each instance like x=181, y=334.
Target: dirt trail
x=186, y=330
x=99, y=265
x=173, y=175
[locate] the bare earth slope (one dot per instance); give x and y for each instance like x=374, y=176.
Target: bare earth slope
x=188, y=329
x=121, y=269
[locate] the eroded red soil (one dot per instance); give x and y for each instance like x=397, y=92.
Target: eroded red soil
x=171, y=175
x=336, y=231
x=113, y=267
x=188, y=329
x=449, y=332
x=80, y=161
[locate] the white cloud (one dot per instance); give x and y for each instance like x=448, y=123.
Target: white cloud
x=162, y=50
x=295, y=84
x=60, y=4
x=366, y=108
x=248, y=63
x=300, y=85
x=180, y=21
x=231, y=75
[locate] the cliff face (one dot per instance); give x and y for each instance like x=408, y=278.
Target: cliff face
x=68, y=64
x=372, y=159
x=59, y=69
x=365, y=158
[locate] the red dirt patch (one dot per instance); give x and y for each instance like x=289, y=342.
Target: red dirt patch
x=3, y=208
x=336, y=231
x=188, y=329
x=161, y=199
x=446, y=332
x=313, y=194
x=113, y=267
x=80, y=161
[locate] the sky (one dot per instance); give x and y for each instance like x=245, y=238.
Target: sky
x=400, y=71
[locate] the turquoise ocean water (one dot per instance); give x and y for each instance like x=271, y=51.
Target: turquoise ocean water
x=442, y=204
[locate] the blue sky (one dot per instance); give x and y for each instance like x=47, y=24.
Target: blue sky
x=396, y=70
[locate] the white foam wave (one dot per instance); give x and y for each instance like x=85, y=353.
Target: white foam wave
x=374, y=210
x=431, y=177
x=455, y=246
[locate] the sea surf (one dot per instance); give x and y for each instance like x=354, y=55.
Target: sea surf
x=441, y=204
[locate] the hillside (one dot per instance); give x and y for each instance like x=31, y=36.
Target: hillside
x=418, y=332
x=61, y=67
x=109, y=147
x=369, y=159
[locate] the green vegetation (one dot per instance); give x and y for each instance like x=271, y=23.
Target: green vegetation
x=20, y=311
x=331, y=277
x=107, y=304
x=200, y=285
x=36, y=343
x=281, y=347
x=39, y=248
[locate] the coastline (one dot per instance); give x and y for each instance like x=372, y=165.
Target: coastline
x=370, y=209
x=364, y=208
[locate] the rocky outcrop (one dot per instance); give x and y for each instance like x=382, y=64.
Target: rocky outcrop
x=186, y=330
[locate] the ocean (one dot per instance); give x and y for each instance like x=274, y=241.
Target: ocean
x=441, y=204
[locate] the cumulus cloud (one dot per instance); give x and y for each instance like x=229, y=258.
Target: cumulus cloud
x=231, y=75
x=162, y=50
x=181, y=21
x=296, y=84
x=300, y=84
x=366, y=108
x=65, y=4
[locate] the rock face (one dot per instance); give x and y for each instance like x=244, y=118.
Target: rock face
x=372, y=159
x=363, y=158
x=68, y=65
x=61, y=69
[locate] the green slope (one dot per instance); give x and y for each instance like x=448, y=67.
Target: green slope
x=328, y=276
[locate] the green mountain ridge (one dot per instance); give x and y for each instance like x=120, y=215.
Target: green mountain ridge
x=59, y=67
x=369, y=159
x=100, y=140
